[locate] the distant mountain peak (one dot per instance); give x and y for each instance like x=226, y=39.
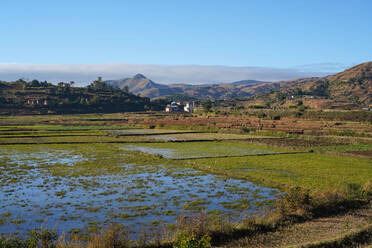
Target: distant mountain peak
x=139, y=76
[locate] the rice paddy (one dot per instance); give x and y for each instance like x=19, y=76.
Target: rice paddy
x=79, y=176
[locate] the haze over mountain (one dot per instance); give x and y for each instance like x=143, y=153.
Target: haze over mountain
x=83, y=74
x=354, y=84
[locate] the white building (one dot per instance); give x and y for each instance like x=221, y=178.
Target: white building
x=177, y=106
x=189, y=107
x=173, y=107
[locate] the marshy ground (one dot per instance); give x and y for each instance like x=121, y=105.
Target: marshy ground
x=81, y=186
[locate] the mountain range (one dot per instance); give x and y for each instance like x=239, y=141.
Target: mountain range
x=354, y=84
x=143, y=86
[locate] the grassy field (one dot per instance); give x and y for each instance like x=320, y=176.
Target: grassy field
x=119, y=169
x=311, y=170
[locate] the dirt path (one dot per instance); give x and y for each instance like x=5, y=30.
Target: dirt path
x=317, y=230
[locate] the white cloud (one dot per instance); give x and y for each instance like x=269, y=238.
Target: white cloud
x=83, y=74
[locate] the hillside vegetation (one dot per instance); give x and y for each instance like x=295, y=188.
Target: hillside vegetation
x=350, y=87
x=45, y=98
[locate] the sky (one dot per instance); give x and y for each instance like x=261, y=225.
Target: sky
x=220, y=40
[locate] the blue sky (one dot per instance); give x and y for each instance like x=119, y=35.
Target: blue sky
x=319, y=36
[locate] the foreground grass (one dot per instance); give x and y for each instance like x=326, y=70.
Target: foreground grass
x=312, y=170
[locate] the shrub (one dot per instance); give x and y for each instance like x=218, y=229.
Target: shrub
x=112, y=237
x=191, y=241
x=207, y=107
x=43, y=237
x=245, y=130
x=302, y=108
x=13, y=242
x=261, y=115
x=296, y=201
x=367, y=190
x=35, y=238
x=275, y=117
x=353, y=191
x=256, y=106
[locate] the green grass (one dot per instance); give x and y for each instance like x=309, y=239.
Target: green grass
x=344, y=148
x=205, y=149
x=312, y=170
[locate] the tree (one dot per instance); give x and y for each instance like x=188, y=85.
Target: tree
x=297, y=92
x=98, y=85
x=21, y=81
x=95, y=100
x=280, y=96
x=207, y=107
x=34, y=83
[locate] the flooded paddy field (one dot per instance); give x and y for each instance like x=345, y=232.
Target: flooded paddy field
x=201, y=149
x=77, y=188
